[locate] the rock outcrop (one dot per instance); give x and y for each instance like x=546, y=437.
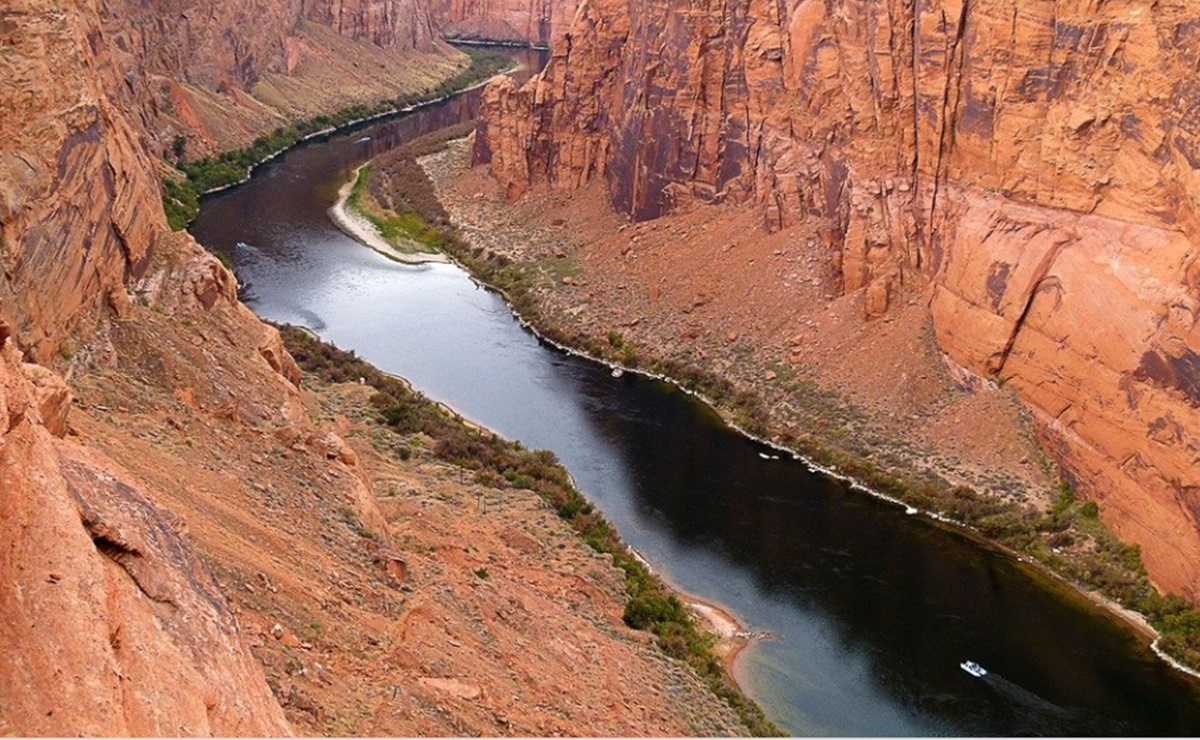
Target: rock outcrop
x=79, y=203
x=1030, y=167
x=112, y=627
x=515, y=21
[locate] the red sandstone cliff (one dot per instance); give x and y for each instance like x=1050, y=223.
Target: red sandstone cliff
x=385, y=23
x=221, y=74
x=112, y=625
x=79, y=210
x=532, y=21
x=1029, y=167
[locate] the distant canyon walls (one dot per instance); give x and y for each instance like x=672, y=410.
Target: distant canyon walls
x=1031, y=167
x=222, y=44
x=531, y=21
x=385, y=23
x=221, y=74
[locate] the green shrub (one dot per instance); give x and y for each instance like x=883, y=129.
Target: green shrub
x=651, y=605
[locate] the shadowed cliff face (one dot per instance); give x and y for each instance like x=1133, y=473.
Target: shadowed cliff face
x=1031, y=167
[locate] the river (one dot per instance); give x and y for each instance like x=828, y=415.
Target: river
x=871, y=610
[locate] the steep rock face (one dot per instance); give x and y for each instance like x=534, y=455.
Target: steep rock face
x=111, y=625
x=531, y=133
x=203, y=64
x=209, y=44
x=386, y=23
x=79, y=206
x=204, y=43
x=1031, y=165
x=533, y=21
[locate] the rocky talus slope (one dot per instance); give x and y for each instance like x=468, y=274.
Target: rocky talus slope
x=527, y=21
x=1027, y=169
x=194, y=544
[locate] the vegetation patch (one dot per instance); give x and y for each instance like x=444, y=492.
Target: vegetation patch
x=401, y=230
x=502, y=464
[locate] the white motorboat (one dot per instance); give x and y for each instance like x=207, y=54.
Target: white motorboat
x=973, y=668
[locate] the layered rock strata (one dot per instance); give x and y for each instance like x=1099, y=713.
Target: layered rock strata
x=1030, y=167
x=79, y=204
x=527, y=21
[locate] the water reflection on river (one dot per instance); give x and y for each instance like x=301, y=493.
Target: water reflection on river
x=873, y=610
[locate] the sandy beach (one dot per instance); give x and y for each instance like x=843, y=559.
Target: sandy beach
x=364, y=232
x=732, y=635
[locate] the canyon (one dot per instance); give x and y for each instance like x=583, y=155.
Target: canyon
x=203, y=539
x=1020, y=174
x=197, y=537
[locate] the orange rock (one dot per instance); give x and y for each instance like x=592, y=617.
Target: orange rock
x=453, y=687
x=99, y=588
x=273, y=351
x=535, y=21
x=52, y=398
x=989, y=155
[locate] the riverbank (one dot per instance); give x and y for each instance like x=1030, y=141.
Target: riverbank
x=732, y=636
x=196, y=178
x=650, y=604
x=355, y=225
x=588, y=281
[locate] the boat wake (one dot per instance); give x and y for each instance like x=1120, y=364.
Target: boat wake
x=1025, y=698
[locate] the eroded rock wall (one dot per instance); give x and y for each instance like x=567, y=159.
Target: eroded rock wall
x=529, y=21
x=385, y=23
x=79, y=204
x=218, y=45
x=220, y=74
x=1031, y=167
